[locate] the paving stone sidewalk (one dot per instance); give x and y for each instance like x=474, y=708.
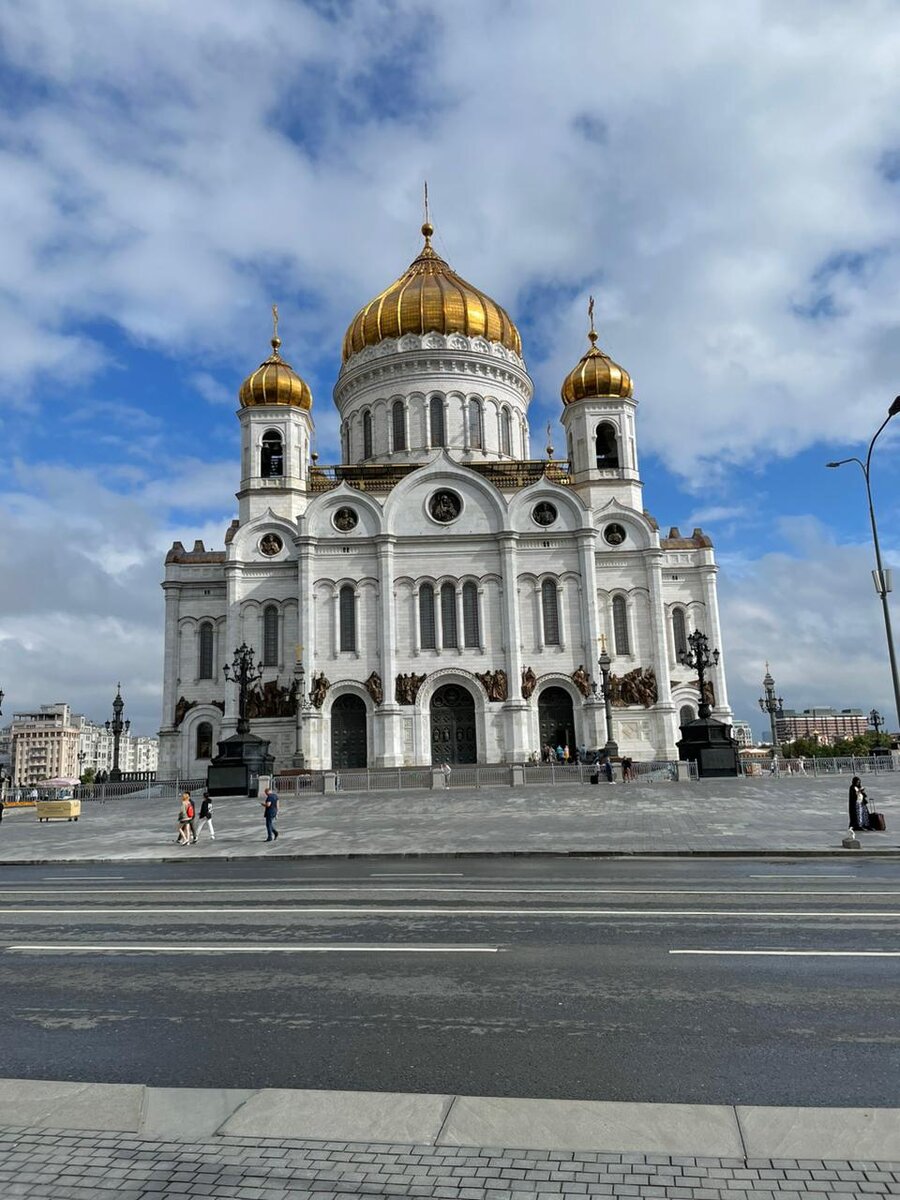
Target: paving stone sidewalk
x=755, y=815
x=42, y=1164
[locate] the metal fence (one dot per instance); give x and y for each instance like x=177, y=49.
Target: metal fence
x=814, y=767
x=165, y=789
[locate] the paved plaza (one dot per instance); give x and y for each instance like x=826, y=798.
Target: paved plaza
x=788, y=815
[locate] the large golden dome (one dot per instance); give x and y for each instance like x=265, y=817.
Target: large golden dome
x=595, y=375
x=275, y=381
x=430, y=298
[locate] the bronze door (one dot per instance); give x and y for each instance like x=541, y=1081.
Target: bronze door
x=557, y=720
x=453, y=736
x=348, y=733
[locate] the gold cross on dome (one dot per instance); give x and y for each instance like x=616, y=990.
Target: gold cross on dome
x=602, y=640
x=274, y=320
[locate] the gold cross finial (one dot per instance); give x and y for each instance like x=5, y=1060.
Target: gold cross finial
x=427, y=227
x=276, y=340
x=602, y=640
x=592, y=336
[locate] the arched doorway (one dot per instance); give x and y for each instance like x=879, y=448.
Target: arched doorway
x=556, y=718
x=453, y=735
x=348, y=733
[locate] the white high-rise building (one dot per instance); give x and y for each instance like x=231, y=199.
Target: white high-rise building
x=445, y=593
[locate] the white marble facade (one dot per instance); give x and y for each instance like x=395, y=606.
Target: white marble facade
x=439, y=550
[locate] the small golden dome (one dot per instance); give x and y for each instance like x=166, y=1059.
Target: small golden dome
x=595, y=375
x=275, y=381
x=430, y=298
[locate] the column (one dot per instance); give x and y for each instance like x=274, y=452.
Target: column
x=170, y=665
x=232, y=640
x=713, y=631
x=660, y=644
x=387, y=721
x=593, y=733
x=517, y=747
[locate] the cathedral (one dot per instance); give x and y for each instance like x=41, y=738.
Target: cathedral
x=440, y=595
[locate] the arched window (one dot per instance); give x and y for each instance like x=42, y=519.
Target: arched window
x=427, y=636
x=550, y=610
x=471, y=625
x=205, y=655
x=620, y=626
x=367, y=434
x=449, y=631
x=438, y=431
x=571, y=452
x=607, y=446
x=270, y=636
x=685, y=714
x=272, y=454
x=345, y=442
x=347, y=606
x=505, y=434
x=398, y=425
x=476, y=425
x=204, y=740
x=679, y=633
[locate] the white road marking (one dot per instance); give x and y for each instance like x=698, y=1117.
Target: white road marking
x=181, y=890
x=370, y=911
x=797, y=953
x=414, y=875
x=81, y=878
x=264, y=948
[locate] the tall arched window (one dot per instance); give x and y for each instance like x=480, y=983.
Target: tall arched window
x=620, y=626
x=345, y=442
x=449, y=630
x=471, y=625
x=438, y=431
x=505, y=432
x=427, y=636
x=272, y=454
x=205, y=654
x=270, y=636
x=679, y=633
x=398, y=425
x=607, y=446
x=347, y=607
x=476, y=425
x=204, y=740
x=367, y=434
x=550, y=611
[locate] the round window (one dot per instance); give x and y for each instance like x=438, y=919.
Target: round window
x=445, y=506
x=615, y=534
x=270, y=545
x=346, y=519
x=544, y=513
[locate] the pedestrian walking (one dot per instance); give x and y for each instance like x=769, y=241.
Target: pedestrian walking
x=445, y=771
x=205, y=819
x=627, y=769
x=270, y=812
x=2, y=806
x=856, y=802
x=185, y=817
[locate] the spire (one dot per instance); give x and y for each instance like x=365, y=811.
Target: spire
x=276, y=340
x=427, y=227
x=592, y=336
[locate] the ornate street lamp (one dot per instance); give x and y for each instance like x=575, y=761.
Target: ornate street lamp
x=303, y=707
x=1, y=702
x=117, y=727
x=604, y=662
x=882, y=578
x=771, y=704
x=876, y=720
x=700, y=658
x=244, y=673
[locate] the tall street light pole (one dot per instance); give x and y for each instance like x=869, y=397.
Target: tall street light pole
x=771, y=704
x=244, y=672
x=604, y=662
x=117, y=727
x=700, y=659
x=882, y=578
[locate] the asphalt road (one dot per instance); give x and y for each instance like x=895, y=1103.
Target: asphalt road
x=591, y=979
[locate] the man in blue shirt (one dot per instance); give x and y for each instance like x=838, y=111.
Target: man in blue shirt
x=271, y=813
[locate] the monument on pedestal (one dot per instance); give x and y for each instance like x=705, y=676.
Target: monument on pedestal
x=243, y=756
x=706, y=741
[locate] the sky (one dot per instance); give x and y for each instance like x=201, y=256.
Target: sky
x=723, y=178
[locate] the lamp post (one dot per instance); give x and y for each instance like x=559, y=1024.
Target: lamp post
x=876, y=720
x=1, y=702
x=604, y=662
x=244, y=672
x=117, y=727
x=303, y=707
x=700, y=658
x=882, y=578
x=81, y=757
x=771, y=704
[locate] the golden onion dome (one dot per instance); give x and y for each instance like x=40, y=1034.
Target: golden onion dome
x=275, y=381
x=595, y=375
x=430, y=298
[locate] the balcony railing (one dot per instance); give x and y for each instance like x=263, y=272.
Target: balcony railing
x=382, y=477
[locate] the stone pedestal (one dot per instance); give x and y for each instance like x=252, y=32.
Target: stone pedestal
x=709, y=744
x=236, y=769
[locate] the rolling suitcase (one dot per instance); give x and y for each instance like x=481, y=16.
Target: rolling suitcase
x=877, y=822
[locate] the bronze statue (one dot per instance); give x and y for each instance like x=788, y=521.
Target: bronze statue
x=320, y=686
x=582, y=680
x=529, y=683
x=494, y=683
x=709, y=692
x=407, y=687
x=374, y=687
x=182, y=708
x=636, y=687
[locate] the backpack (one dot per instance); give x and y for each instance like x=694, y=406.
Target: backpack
x=190, y=811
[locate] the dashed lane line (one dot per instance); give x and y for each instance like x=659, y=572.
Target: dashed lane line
x=794, y=953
